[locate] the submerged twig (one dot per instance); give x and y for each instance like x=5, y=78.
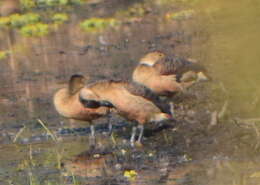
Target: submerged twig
x=214, y=119
x=223, y=88
x=59, y=157
x=248, y=121
x=113, y=139
x=31, y=156
x=48, y=131
x=257, y=135
x=18, y=134
x=223, y=110
x=73, y=178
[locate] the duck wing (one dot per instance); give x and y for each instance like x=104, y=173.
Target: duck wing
x=176, y=65
x=140, y=90
x=90, y=100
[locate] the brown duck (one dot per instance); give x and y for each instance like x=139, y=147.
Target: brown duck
x=67, y=102
x=132, y=102
x=167, y=74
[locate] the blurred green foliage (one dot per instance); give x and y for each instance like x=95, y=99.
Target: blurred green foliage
x=18, y=20
x=35, y=30
x=4, y=21
x=98, y=24
x=53, y=3
x=60, y=18
x=168, y=2
x=4, y=54
x=137, y=10
x=185, y=14
x=28, y=4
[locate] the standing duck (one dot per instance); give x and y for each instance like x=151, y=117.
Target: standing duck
x=68, y=104
x=165, y=75
x=131, y=101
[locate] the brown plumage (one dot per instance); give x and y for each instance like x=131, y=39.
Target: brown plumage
x=131, y=101
x=68, y=104
x=167, y=74
x=8, y=7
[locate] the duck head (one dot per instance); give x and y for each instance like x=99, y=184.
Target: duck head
x=76, y=83
x=152, y=57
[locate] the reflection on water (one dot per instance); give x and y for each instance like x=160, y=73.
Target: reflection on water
x=222, y=35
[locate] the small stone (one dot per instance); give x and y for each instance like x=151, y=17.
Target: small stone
x=25, y=140
x=118, y=166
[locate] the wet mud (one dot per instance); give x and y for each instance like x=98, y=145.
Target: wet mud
x=207, y=144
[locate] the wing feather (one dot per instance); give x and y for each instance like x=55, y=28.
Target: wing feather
x=140, y=90
x=176, y=65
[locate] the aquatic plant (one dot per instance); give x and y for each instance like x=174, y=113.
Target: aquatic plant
x=77, y=2
x=98, y=24
x=137, y=10
x=130, y=174
x=35, y=30
x=28, y=4
x=4, y=21
x=53, y=3
x=185, y=14
x=60, y=18
x=18, y=20
x=63, y=2
x=4, y=54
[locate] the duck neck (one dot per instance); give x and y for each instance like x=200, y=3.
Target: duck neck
x=74, y=88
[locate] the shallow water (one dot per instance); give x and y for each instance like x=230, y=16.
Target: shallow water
x=221, y=35
x=232, y=51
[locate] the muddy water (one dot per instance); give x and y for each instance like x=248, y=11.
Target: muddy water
x=233, y=50
x=221, y=35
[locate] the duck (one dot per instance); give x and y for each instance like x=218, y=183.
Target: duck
x=167, y=74
x=133, y=102
x=8, y=7
x=67, y=102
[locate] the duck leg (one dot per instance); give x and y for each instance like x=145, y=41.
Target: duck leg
x=92, y=139
x=110, y=125
x=141, y=132
x=172, y=109
x=132, y=139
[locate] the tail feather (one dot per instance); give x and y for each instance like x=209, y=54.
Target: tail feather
x=94, y=103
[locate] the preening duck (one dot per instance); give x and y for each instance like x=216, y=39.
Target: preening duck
x=167, y=74
x=67, y=102
x=132, y=101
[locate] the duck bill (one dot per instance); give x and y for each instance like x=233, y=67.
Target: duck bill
x=202, y=77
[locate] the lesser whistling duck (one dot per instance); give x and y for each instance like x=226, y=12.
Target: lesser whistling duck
x=167, y=74
x=68, y=104
x=132, y=102
x=8, y=7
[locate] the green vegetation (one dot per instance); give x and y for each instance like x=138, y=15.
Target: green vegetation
x=4, y=21
x=18, y=21
x=53, y=3
x=60, y=18
x=35, y=30
x=28, y=4
x=98, y=24
x=185, y=14
x=4, y=54
x=137, y=10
